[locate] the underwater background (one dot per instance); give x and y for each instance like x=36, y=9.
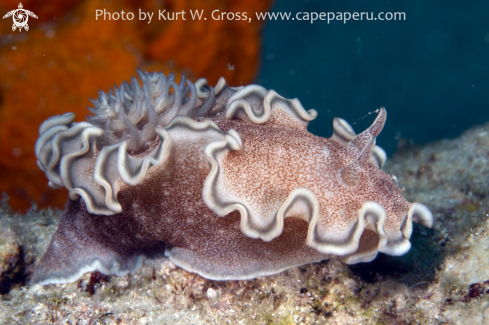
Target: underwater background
x=429, y=70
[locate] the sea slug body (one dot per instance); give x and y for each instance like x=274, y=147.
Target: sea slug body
x=226, y=182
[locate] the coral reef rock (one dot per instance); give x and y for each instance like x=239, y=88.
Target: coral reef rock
x=67, y=56
x=441, y=280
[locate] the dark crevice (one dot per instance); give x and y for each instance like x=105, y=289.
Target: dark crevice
x=15, y=272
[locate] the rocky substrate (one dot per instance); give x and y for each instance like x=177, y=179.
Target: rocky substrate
x=444, y=279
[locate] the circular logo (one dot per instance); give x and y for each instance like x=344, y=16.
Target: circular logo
x=20, y=17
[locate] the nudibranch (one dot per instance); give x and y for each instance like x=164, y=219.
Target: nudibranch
x=225, y=182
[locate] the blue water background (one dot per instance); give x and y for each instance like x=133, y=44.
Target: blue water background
x=430, y=71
